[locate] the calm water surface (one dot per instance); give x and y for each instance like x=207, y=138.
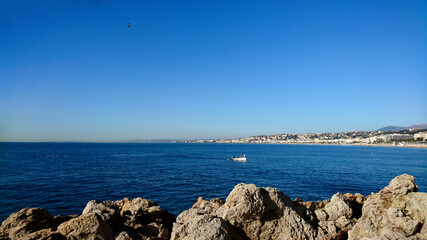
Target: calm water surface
x=63, y=177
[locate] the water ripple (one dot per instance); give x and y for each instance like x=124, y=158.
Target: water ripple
x=63, y=177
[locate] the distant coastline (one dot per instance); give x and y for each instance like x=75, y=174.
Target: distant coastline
x=406, y=145
x=401, y=137
x=410, y=145
x=407, y=138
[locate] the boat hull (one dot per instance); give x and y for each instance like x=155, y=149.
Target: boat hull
x=241, y=159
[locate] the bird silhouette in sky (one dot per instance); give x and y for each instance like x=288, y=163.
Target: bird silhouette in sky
x=128, y=25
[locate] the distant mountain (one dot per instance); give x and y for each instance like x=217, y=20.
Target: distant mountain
x=390, y=128
x=395, y=128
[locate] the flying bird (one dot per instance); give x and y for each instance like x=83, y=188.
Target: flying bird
x=128, y=25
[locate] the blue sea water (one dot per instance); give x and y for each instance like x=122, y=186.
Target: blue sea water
x=63, y=177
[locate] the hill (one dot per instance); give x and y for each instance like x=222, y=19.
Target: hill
x=395, y=128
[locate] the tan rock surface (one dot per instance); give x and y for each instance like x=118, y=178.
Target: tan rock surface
x=194, y=224
x=87, y=226
x=108, y=211
x=338, y=207
x=264, y=213
x=396, y=212
x=24, y=222
x=144, y=219
x=44, y=234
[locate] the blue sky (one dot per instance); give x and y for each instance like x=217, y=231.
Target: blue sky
x=73, y=70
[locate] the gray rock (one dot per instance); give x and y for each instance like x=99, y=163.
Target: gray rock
x=329, y=227
x=343, y=222
x=245, y=203
x=321, y=215
x=396, y=219
x=194, y=224
x=338, y=207
x=249, y=212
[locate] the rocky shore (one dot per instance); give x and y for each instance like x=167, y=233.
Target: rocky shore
x=396, y=212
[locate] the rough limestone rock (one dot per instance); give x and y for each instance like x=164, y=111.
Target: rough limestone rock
x=44, y=234
x=249, y=212
x=402, y=185
x=24, y=222
x=343, y=222
x=356, y=202
x=312, y=205
x=135, y=205
x=333, y=218
x=194, y=224
x=108, y=211
x=338, y=207
x=58, y=219
x=87, y=226
x=123, y=236
x=264, y=213
x=396, y=212
x=357, y=197
x=142, y=218
x=208, y=207
x=200, y=222
x=321, y=215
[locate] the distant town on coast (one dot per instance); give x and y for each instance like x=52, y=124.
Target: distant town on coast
x=412, y=136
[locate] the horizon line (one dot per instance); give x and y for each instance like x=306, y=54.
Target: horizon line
x=171, y=140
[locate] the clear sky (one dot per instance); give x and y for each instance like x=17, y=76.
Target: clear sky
x=73, y=70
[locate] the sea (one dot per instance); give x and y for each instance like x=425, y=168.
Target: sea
x=63, y=177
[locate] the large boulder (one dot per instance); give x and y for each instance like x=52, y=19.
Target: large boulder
x=108, y=211
x=252, y=212
x=195, y=224
x=24, y=222
x=396, y=212
x=201, y=222
x=338, y=207
x=401, y=185
x=144, y=218
x=133, y=219
x=87, y=226
x=209, y=207
x=333, y=218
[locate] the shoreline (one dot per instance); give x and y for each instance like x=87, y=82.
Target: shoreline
x=249, y=212
x=418, y=145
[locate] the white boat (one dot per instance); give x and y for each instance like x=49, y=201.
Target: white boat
x=240, y=159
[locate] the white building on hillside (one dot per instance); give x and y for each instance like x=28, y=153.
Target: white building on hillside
x=420, y=136
x=396, y=137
